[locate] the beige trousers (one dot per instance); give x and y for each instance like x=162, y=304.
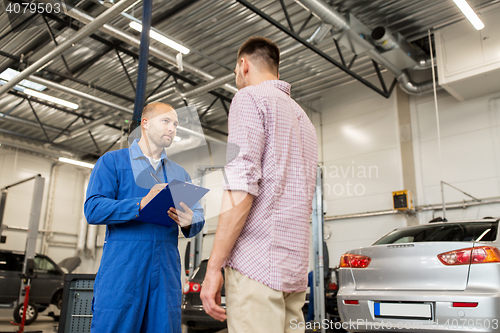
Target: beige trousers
x=253, y=307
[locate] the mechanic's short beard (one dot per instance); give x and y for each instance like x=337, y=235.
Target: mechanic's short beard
x=160, y=143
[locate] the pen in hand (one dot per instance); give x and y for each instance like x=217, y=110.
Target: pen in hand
x=155, y=177
x=153, y=192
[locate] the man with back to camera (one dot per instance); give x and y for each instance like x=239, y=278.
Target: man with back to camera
x=138, y=287
x=262, y=237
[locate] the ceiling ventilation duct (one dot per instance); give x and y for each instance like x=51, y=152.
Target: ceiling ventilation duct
x=395, y=48
x=320, y=34
x=357, y=37
x=383, y=38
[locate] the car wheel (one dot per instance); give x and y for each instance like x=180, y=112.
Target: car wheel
x=57, y=300
x=31, y=313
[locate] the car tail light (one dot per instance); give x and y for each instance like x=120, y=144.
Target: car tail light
x=333, y=286
x=465, y=304
x=474, y=255
x=354, y=261
x=191, y=287
x=351, y=302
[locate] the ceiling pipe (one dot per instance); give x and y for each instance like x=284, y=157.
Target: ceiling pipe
x=359, y=215
x=134, y=41
x=66, y=76
x=424, y=62
x=13, y=119
x=39, y=150
x=68, y=43
x=97, y=100
x=325, y=12
x=215, y=83
x=198, y=90
x=383, y=38
x=77, y=93
x=206, y=87
x=161, y=95
x=83, y=129
x=46, y=142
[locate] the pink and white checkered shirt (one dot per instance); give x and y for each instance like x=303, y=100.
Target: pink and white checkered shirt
x=276, y=164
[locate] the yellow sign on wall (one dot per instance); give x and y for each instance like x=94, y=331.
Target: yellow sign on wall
x=402, y=200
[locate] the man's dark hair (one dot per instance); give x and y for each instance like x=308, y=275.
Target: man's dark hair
x=263, y=50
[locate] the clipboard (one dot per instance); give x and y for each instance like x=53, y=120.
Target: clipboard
x=156, y=211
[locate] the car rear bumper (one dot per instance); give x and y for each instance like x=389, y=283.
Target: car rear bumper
x=444, y=317
x=195, y=317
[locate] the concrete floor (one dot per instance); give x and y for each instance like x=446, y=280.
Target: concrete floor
x=43, y=324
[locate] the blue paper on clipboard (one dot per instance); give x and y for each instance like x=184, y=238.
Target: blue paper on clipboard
x=156, y=211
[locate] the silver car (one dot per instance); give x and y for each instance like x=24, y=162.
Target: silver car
x=434, y=277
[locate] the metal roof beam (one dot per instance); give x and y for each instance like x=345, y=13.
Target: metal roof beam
x=81, y=34
x=71, y=78
x=151, y=63
x=134, y=41
x=310, y=46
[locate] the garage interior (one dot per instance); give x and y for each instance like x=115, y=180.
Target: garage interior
x=404, y=96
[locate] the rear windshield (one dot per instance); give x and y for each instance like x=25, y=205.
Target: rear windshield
x=449, y=232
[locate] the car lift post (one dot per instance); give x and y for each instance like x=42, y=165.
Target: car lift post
x=34, y=220
x=36, y=209
x=318, y=272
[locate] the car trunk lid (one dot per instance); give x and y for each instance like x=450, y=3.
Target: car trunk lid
x=410, y=266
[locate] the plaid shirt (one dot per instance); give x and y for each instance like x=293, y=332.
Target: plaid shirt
x=276, y=163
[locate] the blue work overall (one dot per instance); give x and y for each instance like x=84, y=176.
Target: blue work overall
x=138, y=287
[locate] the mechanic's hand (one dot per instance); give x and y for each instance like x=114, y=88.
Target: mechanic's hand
x=152, y=193
x=182, y=218
x=211, y=294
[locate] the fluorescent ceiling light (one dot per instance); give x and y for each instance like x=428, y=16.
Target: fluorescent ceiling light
x=51, y=98
x=177, y=139
x=75, y=162
x=10, y=73
x=161, y=38
x=469, y=13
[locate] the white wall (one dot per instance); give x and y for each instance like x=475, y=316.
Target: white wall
x=15, y=167
x=61, y=216
x=361, y=164
x=470, y=146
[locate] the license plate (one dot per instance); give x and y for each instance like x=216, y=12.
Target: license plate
x=403, y=310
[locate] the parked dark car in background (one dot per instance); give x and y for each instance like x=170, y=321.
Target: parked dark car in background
x=193, y=315
x=46, y=287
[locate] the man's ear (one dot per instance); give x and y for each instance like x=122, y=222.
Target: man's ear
x=144, y=123
x=245, y=65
